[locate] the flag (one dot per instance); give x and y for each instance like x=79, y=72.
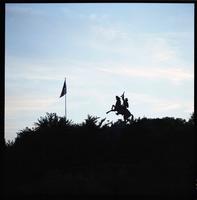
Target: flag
x=64, y=89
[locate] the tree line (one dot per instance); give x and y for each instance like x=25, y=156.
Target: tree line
x=148, y=156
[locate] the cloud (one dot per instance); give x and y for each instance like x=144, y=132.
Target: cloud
x=109, y=32
x=160, y=105
x=150, y=48
x=88, y=16
x=24, y=10
x=175, y=74
x=22, y=110
x=167, y=106
x=24, y=103
x=95, y=17
x=39, y=70
x=160, y=49
x=46, y=70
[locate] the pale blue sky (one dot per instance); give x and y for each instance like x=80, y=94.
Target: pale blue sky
x=146, y=50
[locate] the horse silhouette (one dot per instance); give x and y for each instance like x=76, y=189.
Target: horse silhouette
x=121, y=109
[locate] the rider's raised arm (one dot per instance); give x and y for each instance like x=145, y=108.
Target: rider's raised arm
x=122, y=96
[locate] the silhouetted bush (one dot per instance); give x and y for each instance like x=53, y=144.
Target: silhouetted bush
x=114, y=158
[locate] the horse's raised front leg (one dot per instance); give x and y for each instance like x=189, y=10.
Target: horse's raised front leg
x=110, y=111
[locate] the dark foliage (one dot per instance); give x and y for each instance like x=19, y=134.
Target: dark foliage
x=147, y=156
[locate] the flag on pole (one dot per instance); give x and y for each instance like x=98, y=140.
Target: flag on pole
x=64, y=89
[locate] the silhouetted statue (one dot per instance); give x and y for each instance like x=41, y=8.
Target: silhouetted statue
x=117, y=106
x=125, y=101
x=122, y=108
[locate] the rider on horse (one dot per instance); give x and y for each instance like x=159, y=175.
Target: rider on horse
x=117, y=105
x=125, y=101
x=121, y=108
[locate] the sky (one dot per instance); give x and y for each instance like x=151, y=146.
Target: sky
x=103, y=50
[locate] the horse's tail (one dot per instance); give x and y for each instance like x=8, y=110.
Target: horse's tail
x=127, y=113
x=129, y=116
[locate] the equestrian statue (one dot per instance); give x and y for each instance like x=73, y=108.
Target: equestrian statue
x=122, y=109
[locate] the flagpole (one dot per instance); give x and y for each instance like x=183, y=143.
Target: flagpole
x=63, y=93
x=65, y=104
